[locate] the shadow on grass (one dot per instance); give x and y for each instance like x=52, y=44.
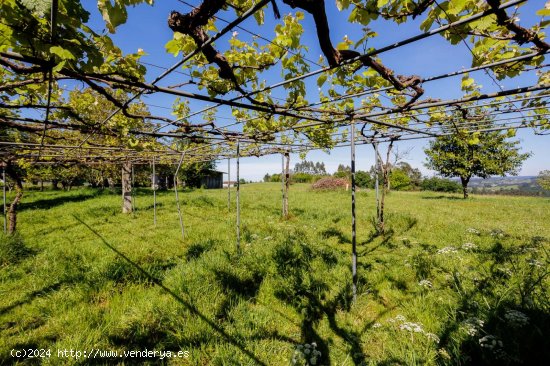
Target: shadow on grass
x=236, y=289
x=301, y=286
x=191, y=308
x=45, y=204
x=515, y=328
x=335, y=233
x=442, y=197
x=149, y=207
x=196, y=250
x=32, y=296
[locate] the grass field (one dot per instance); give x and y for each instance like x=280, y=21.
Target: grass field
x=452, y=282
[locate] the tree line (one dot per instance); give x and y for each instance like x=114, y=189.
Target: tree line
x=403, y=177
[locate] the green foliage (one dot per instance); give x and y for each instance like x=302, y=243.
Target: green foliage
x=440, y=185
x=544, y=179
x=363, y=179
x=193, y=173
x=479, y=154
x=309, y=167
x=399, y=180
x=116, y=14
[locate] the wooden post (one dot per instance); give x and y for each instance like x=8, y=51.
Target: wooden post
x=126, y=187
x=353, y=226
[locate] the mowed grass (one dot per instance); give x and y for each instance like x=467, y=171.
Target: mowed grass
x=444, y=285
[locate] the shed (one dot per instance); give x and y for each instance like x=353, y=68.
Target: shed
x=212, y=179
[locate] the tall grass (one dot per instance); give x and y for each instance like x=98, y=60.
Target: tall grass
x=452, y=282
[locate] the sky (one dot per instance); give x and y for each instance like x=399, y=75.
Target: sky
x=147, y=29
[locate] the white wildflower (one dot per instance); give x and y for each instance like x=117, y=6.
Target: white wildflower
x=306, y=354
x=498, y=233
x=377, y=325
x=425, y=284
x=471, y=230
x=516, y=318
x=268, y=238
x=534, y=262
x=432, y=337
x=447, y=250
x=469, y=246
x=412, y=327
x=472, y=325
x=400, y=318
x=490, y=342
x=505, y=271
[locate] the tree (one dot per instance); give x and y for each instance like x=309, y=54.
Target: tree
x=466, y=155
x=414, y=175
x=363, y=179
x=399, y=179
x=309, y=167
x=343, y=171
x=544, y=180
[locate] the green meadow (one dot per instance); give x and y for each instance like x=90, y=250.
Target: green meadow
x=451, y=282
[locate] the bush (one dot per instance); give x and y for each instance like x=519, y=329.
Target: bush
x=363, y=179
x=301, y=178
x=399, y=180
x=330, y=183
x=13, y=249
x=440, y=185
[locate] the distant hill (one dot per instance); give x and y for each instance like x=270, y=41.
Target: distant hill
x=508, y=185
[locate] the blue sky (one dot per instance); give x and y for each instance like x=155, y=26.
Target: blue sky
x=147, y=29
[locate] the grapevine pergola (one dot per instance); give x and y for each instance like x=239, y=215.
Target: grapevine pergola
x=360, y=100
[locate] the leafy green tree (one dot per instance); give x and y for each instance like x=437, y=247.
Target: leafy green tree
x=414, y=174
x=343, y=171
x=193, y=173
x=466, y=155
x=440, y=185
x=363, y=179
x=399, y=180
x=544, y=180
